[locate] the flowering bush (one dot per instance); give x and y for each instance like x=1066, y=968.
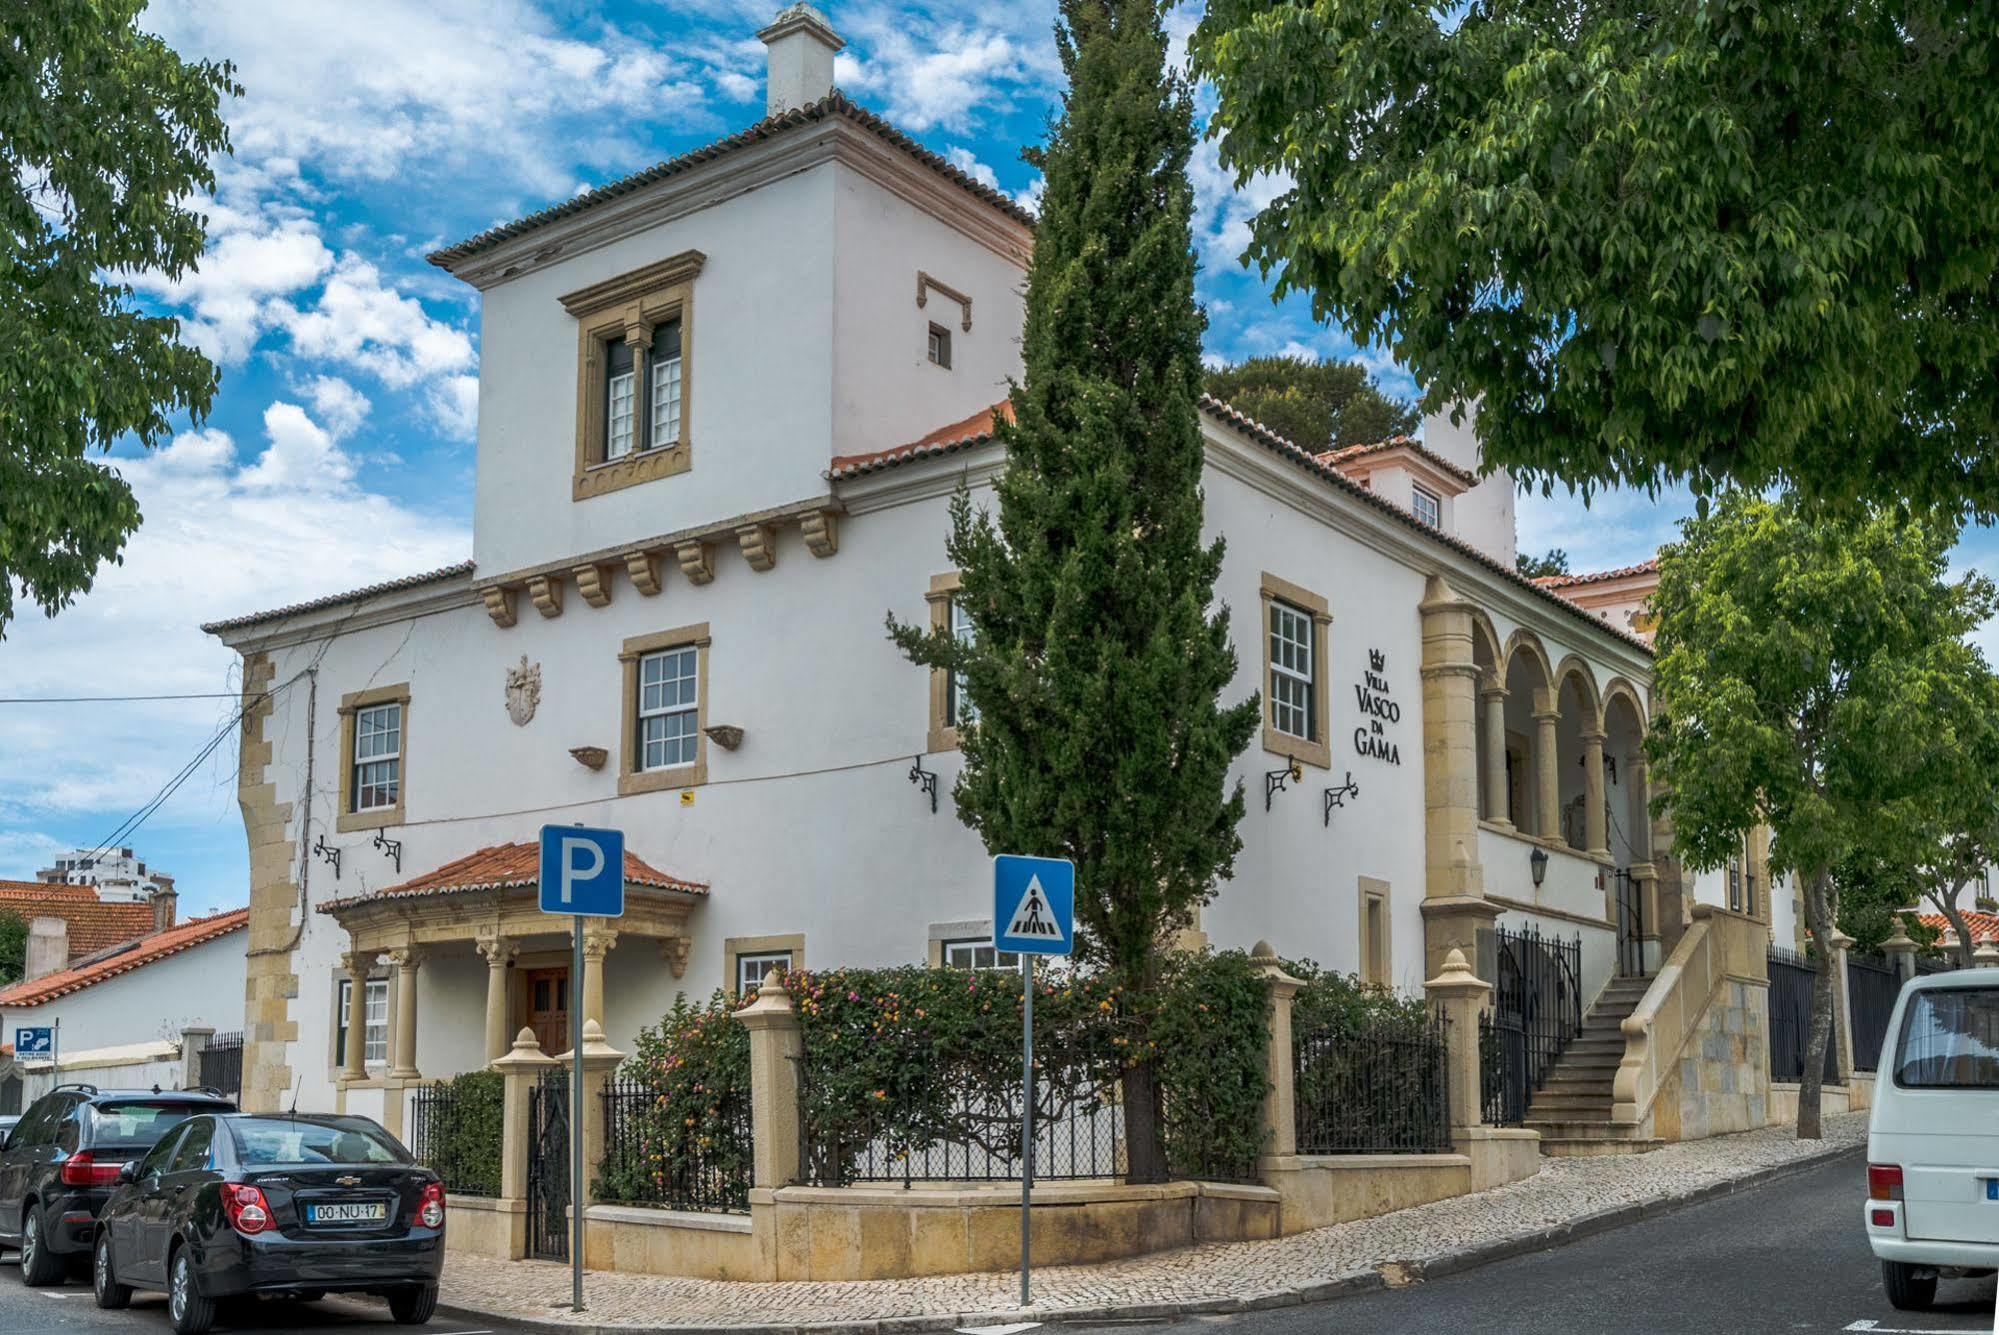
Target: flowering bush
x=682, y=1113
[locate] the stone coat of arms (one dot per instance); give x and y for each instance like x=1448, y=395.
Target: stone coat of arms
x=523, y=691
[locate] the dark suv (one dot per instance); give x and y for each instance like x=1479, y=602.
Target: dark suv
x=60, y=1162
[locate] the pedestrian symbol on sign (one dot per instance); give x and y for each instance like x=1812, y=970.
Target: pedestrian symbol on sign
x=1031, y=917
x=1034, y=904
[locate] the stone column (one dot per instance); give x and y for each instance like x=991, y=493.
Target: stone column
x=1842, y=1002
x=1458, y=995
x=1596, y=835
x=1496, y=792
x=522, y=1067
x=1280, y=1111
x=1901, y=951
x=499, y=954
x=402, y=1060
x=597, y=943
x=1639, y=777
x=600, y=1062
x=1454, y=903
x=193, y=1042
x=774, y=1048
x=1547, y=768
x=357, y=963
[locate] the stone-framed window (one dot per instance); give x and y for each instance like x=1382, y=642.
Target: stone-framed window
x=664, y=740
x=939, y=348
x=375, y=1039
x=975, y=953
x=374, y=757
x=634, y=375
x=949, y=706
x=746, y=960
x=1376, y=937
x=1295, y=693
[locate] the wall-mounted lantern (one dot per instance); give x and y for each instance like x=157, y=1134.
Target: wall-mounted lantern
x=1537, y=863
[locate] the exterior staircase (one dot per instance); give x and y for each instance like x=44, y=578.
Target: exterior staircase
x=1571, y=1110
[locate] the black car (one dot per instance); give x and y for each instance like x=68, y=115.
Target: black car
x=61, y=1161
x=238, y=1204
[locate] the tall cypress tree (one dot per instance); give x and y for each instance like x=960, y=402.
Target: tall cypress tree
x=1100, y=657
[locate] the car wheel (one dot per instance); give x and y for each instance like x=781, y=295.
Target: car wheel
x=413, y=1306
x=111, y=1295
x=39, y=1266
x=191, y=1313
x=1910, y=1288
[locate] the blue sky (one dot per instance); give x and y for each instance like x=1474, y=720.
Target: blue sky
x=340, y=451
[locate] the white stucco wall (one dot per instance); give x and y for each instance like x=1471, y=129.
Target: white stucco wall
x=201, y=986
x=1482, y=516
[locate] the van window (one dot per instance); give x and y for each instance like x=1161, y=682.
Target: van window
x=1950, y=1040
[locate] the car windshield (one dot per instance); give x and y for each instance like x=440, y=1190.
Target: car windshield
x=1951, y=1040
x=288, y=1142
x=136, y=1121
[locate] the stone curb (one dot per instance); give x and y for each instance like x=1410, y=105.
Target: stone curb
x=1413, y=1271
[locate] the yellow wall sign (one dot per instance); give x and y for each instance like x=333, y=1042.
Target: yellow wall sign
x=687, y=797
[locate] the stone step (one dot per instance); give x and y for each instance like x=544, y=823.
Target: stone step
x=1576, y=1147
x=1562, y=1107
x=1576, y=1128
x=1580, y=1082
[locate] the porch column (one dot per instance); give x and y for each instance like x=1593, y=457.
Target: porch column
x=1496, y=792
x=1547, y=772
x=597, y=943
x=357, y=963
x=499, y=953
x=1596, y=839
x=1641, y=831
x=1454, y=905
x=402, y=1059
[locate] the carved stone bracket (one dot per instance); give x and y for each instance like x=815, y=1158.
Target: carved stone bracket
x=822, y=532
x=546, y=593
x=594, y=583
x=925, y=285
x=500, y=606
x=759, y=544
x=697, y=561
x=643, y=567
x=675, y=950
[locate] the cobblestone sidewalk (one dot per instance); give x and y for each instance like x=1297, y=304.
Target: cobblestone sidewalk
x=1567, y=1195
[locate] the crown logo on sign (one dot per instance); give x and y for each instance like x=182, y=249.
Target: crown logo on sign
x=1377, y=660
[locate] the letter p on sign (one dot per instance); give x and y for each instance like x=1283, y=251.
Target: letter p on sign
x=582, y=871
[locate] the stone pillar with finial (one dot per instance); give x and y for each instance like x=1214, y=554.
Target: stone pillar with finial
x=1900, y=949
x=775, y=1047
x=521, y=1067
x=1459, y=996
x=1280, y=1111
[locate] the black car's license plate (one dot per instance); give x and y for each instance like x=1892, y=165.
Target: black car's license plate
x=346, y=1212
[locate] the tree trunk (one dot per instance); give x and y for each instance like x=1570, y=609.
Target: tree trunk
x=1144, y=1141
x=1947, y=905
x=1818, y=917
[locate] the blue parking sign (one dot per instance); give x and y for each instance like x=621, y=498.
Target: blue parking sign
x=1034, y=905
x=582, y=871
x=38, y=1041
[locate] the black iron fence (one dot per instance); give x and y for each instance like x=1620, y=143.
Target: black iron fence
x=1376, y=1087
x=222, y=1064
x=652, y=1157
x=1791, y=981
x=1537, y=1011
x=1630, y=906
x=942, y=1125
x=457, y=1132
x=548, y=1166
x=1872, y=985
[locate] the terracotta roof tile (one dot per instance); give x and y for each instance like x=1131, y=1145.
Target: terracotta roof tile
x=963, y=434
x=505, y=867
x=1984, y=926
x=1349, y=453
x=1650, y=567
x=336, y=599
x=191, y=933
x=835, y=103
x=93, y=924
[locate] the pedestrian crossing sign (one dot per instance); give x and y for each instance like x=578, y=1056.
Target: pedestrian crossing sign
x=1034, y=905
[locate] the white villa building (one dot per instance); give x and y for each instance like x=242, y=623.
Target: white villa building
x=724, y=404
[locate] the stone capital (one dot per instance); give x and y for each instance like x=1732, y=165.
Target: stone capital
x=405, y=957
x=1548, y=715
x=498, y=951
x=1493, y=693
x=597, y=943
x=358, y=962
x=1595, y=737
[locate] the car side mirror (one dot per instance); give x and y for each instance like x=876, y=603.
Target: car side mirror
x=129, y=1171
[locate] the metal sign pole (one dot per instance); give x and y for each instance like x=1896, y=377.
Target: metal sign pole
x=55, y=1054
x=576, y=1117
x=1026, y=1120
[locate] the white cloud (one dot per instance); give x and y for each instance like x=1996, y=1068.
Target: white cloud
x=339, y=404
x=359, y=321
x=968, y=162
x=454, y=406
x=301, y=455
x=929, y=70
x=249, y=262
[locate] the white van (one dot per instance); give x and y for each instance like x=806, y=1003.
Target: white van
x=1933, y=1142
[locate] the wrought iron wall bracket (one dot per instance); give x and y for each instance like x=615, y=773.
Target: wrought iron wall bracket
x=392, y=849
x=924, y=779
x=1275, y=780
x=327, y=851
x=1337, y=797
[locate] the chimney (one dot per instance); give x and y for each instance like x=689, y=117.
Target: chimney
x=802, y=43
x=164, y=900
x=48, y=948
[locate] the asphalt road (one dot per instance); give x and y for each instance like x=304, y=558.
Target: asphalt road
x=1788, y=1256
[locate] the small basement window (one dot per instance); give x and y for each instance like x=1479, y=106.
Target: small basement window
x=940, y=346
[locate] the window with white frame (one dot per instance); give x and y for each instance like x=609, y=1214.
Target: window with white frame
x=1292, y=672
x=751, y=970
x=375, y=1038
x=1427, y=507
x=958, y=707
x=629, y=425
x=669, y=708
x=378, y=756
x=665, y=372
x=978, y=954
x=620, y=389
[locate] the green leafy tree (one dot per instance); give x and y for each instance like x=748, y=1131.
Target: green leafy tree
x=1100, y=657
x=1812, y=675
x=13, y=947
x=1312, y=402
x=1554, y=562
x=1958, y=823
x=106, y=136
x=1745, y=241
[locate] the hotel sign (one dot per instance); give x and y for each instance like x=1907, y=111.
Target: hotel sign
x=1378, y=712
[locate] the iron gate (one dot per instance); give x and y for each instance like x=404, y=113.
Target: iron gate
x=222, y=1064
x=1630, y=925
x=1791, y=978
x=548, y=1167
x=1871, y=986
x=1537, y=1011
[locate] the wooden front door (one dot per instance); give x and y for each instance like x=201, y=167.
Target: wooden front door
x=546, y=992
